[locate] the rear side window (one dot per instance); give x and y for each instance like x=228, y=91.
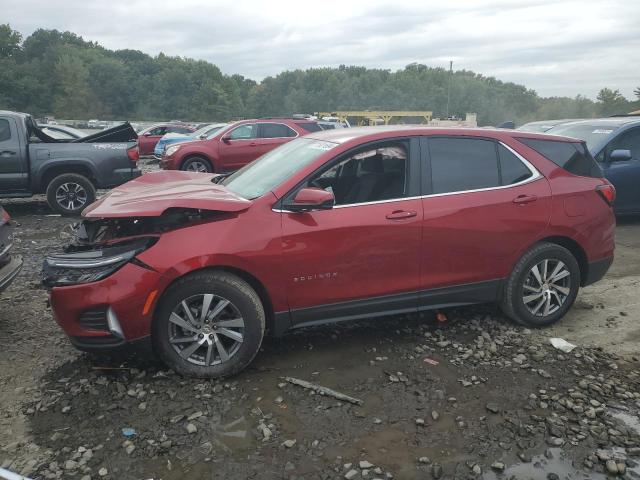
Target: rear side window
x=572, y=157
x=459, y=164
x=512, y=170
x=310, y=127
x=179, y=130
x=5, y=130
x=276, y=130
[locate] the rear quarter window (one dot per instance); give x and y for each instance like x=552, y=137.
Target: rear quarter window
x=572, y=157
x=310, y=127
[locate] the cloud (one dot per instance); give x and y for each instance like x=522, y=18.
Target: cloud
x=556, y=47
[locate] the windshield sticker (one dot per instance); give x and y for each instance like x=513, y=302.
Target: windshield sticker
x=603, y=131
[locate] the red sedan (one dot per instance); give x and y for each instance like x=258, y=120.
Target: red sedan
x=235, y=145
x=148, y=138
x=337, y=225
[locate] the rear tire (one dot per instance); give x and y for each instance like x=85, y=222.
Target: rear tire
x=70, y=193
x=542, y=286
x=220, y=343
x=197, y=164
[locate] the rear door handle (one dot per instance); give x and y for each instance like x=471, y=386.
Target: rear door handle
x=401, y=214
x=522, y=199
x=253, y=144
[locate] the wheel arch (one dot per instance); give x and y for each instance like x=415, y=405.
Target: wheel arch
x=253, y=282
x=53, y=171
x=576, y=250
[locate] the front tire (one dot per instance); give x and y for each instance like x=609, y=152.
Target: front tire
x=542, y=286
x=197, y=164
x=209, y=325
x=70, y=193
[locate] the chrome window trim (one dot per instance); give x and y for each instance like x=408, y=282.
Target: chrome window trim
x=536, y=175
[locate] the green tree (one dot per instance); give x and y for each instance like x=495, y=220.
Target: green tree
x=9, y=41
x=611, y=102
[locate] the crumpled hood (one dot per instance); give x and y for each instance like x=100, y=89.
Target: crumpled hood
x=153, y=193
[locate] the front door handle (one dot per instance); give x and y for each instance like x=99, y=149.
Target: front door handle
x=253, y=144
x=401, y=214
x=7, y=152
x=522, y=199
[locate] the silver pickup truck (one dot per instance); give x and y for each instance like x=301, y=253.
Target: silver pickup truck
x=67, y=171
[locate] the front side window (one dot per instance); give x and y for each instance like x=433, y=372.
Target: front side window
x=460, y=164
x=244, y=132
x=158, y=131
x=370, y=175
x=629, y=140
x=5, y=130
x=276, y=130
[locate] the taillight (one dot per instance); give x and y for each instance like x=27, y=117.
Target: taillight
x=4, y=215
x=133, y=154
x=607, y=192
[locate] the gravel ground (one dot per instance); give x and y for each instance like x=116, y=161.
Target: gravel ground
x=472, y=397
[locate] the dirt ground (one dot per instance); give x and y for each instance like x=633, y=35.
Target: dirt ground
x=492, y=400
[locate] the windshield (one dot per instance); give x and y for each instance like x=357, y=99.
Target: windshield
x=273, y=168
x=592, y=134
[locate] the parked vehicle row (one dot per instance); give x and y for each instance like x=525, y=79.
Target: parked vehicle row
x=67, y=171
x=203, y=133
x=331, y=226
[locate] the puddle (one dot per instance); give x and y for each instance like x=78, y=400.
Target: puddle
x=559, y=464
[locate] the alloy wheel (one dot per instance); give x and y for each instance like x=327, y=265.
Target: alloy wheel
x=547, y=286
x=206, y=329
x=197, y=166
x=71, y=196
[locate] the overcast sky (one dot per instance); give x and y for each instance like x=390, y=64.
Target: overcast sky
x=556, y=47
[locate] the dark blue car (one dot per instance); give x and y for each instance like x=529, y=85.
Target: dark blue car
x=615, y=144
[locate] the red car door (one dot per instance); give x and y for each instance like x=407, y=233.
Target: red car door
x=272, y=135
x=484, y=205
x=359, y=258
x=239, y=146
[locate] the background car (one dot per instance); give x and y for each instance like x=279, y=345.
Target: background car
x=235, y=145
x=9, y=266
x=542, y=126
x=148, y=138
x=615, y=144
x=203, y=132
x=337, y=225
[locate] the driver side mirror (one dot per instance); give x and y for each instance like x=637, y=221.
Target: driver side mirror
x=226, y=138
x=311, y=199
x=202, y=137
x=620, y=155
x=146, y=134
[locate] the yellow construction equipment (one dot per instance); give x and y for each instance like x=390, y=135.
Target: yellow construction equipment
x=375, y=117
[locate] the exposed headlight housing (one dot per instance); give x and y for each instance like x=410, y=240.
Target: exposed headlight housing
x=171, y=150
x=87, y=266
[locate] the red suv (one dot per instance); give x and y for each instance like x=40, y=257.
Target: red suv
x=337, y=225
x=235, y=145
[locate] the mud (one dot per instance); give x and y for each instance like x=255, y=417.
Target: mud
x=499, y=396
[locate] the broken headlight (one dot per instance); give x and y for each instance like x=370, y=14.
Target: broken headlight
x=90, y=265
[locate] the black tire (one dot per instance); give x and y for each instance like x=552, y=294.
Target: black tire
x=523, y=279
x=197, y=164
x=79, y=190
x=243, y=300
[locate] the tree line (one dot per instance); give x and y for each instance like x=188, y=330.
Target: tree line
x=60, y=74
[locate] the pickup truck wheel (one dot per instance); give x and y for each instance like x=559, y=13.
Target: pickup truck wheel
x=70, y=193
x=208, y=324
x=197, y=164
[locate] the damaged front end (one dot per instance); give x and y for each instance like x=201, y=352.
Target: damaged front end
x=102, y=246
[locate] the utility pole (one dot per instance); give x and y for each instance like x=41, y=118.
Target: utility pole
x=449, y=85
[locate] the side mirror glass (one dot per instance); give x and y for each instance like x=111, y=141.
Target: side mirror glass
x=620, y=155
x=311, y=199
